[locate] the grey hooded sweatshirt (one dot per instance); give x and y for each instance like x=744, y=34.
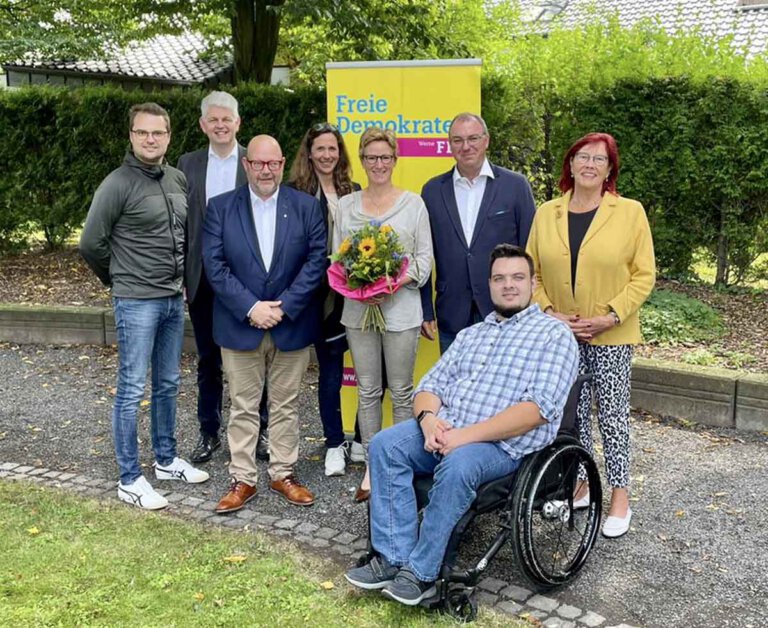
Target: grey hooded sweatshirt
x=133, y=237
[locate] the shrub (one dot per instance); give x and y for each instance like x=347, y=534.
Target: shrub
x=60, y=144
x=671, y=318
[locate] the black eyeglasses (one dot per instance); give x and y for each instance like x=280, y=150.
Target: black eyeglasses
x=324, y=127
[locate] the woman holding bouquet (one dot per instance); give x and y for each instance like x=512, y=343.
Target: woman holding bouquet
x=394, y=209
x=322, y=169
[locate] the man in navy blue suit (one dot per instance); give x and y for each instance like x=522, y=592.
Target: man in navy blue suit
x=472, y=208
x=264, y=256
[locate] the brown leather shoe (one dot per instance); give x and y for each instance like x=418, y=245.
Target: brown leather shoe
x=362, y=495
x=290, y=488
x=238, y=495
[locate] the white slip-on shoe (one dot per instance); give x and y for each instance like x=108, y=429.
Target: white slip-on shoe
x=614, y=527
x=336, y=460
x=140, y=493
x=582, y=502
x=356, y=452
x=180, y=470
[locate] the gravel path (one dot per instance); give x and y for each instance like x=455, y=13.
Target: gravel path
x=697, y=554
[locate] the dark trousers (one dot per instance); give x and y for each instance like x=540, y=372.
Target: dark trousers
x=330, y=362
x=210, y=383
x=446, y=338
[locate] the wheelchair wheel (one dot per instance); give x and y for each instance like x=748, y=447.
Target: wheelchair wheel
x=551, y=540
x=461, y=605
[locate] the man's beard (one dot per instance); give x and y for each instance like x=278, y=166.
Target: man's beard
x=509, y=312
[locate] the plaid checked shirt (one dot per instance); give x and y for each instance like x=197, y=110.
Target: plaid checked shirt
x=497, y=364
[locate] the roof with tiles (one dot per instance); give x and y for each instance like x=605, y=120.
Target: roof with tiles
x=167, y=58
x=745, y=20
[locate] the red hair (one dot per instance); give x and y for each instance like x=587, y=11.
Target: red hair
x=609, y=185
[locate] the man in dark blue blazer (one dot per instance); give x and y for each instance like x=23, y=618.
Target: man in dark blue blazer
x=264, y=248
x=472, y=208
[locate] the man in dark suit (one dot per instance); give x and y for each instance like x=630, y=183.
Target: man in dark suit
x=210, y=171
x=472, y=208
x=264, y=253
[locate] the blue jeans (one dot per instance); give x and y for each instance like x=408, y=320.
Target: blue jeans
x=148, y=330
x=395, y=454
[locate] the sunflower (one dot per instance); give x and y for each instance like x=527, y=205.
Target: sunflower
x=367, y=247
x=385, y=228
x=344, y=246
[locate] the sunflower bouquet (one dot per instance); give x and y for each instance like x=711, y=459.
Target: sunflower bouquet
x=368, y=263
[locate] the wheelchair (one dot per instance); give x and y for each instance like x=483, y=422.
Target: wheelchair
x=550, y=540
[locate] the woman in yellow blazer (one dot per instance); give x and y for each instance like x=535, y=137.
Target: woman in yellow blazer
x=594, y=264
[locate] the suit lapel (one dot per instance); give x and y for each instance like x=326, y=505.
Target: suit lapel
x=245, y=211
x=603, y=215
x=489, y=195
x=449, y=200
x=281, y=222
x=561, y=219
x=240, y=178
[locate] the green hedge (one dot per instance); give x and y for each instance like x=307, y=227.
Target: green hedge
x=694, y=153
x=59, y=144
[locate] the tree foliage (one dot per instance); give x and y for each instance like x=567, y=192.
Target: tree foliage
x=305, y=33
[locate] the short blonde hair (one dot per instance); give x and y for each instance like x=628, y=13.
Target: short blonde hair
x=377, y=134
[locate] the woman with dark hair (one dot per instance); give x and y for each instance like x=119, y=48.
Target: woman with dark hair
x=321, y=168
x=594, y=266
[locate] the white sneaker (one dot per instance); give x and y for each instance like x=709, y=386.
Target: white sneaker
x=335, y=460
x=356, y=452
x=614, y=527
x=140, y=493
x=180, y=470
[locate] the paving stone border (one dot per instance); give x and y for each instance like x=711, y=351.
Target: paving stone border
x=703, y=394
x=502, y=596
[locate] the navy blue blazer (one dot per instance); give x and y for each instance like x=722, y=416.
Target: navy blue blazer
x=236, y=272
x=505, y=216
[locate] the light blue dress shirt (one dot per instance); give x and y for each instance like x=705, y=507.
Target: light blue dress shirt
x=220, y=174
x=495, y=364
x=265, y=219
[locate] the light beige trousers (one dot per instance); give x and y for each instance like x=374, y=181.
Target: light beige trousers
x=246, y=372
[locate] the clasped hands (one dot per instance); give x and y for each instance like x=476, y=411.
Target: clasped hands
x=379, y=298
x=585, y=329
x=266, y=314
x=440, y=436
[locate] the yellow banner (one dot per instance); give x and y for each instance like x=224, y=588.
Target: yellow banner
x=417, y=100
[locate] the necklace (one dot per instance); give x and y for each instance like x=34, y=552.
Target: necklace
x=376, y=207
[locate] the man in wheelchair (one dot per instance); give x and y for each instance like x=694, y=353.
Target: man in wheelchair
x=495, y=396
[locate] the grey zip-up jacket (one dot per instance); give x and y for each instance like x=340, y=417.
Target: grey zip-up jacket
x=133, y=237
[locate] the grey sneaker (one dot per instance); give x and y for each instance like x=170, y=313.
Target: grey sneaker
x=375, y=575
x=407, y=589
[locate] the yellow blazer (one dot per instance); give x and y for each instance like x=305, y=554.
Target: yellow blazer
x=616, y=268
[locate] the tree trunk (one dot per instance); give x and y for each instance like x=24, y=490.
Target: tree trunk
x=255, y=34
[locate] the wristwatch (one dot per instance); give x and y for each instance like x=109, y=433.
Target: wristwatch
x=615, y=317
x=420, y=417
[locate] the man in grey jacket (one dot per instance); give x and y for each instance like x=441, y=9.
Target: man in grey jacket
x=133, y=240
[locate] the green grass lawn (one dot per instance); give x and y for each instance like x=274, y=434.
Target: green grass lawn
x=68, y=561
